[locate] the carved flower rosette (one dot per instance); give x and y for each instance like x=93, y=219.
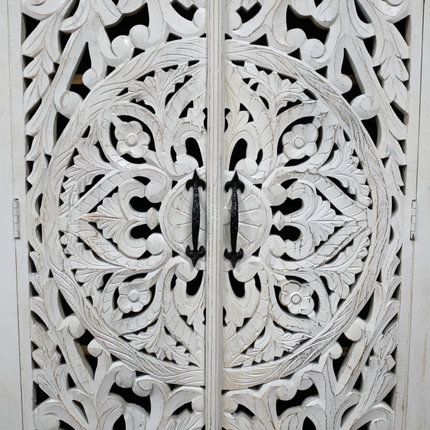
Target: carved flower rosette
x=313, y=224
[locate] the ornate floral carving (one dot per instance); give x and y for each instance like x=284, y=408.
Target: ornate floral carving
x=300, y=141
x=297, y=298
x=116, y=127
x=133, y=296
x=328, y=220
x=132, y=139
x=323, y=275
x=117, y=229
x=107, y=285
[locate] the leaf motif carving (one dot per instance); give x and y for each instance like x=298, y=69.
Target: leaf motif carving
x=343, y=167
x=270, y=345
x=80, y=217
x=157, y=341
x=154, y=90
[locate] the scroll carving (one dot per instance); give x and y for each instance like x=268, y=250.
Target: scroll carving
x=316, y=101
x=315, y=125
x=116, y=128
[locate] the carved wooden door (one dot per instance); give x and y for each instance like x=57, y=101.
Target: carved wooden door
x=216, y=213
x=314, y=130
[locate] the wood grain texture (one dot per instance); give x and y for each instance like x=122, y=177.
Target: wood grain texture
x=309, y=108
x=411, y=288
x=215, y=183
x=10, y=378
x=118, y=308
x=289, y=309
x=418, y=370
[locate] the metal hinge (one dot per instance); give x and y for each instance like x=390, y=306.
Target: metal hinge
x=16, y=221
x=413, y=218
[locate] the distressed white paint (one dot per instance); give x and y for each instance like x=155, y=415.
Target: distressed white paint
x=144, y=311
x=405, y=390
x=215, y=182
x=107, y=322
x=416, y=404
x=10, y=378
x=258, y=344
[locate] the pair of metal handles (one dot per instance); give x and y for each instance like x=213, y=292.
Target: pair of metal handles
x=196, y=253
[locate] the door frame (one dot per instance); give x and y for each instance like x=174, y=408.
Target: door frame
x=10, y=377
x=417, y=414
x=16, y=383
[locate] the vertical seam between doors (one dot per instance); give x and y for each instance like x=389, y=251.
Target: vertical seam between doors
x=214, y=174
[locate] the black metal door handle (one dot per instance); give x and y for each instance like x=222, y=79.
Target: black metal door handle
x=235, y=184
x=195, y=253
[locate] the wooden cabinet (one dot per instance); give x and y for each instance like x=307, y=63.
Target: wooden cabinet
x=214, y=213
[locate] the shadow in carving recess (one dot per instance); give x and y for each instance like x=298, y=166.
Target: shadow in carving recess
x=248, y=14
x=310, y=28
x=141, y=17
x=185, y=12
x=239, y=153
x=297, y=400
x=193, y=286
x=237, y=286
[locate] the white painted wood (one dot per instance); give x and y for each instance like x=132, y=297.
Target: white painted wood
x=405, y=390
x=289, y=336
x=418, y=413
x=10, y=378
x=157, y=341
x=151, y=324
x=16, y=32
x=126, y=292
x=215, y=192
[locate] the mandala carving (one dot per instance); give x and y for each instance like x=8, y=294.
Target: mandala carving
x=314, y=163
x=119, y=201
x=118, y=326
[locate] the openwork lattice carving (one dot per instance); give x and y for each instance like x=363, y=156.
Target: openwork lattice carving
x=118, y=327
x=316, y=98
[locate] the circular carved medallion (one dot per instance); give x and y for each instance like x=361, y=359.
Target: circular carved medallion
x=118, y=213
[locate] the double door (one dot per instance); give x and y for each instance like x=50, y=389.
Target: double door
x=216, y=213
